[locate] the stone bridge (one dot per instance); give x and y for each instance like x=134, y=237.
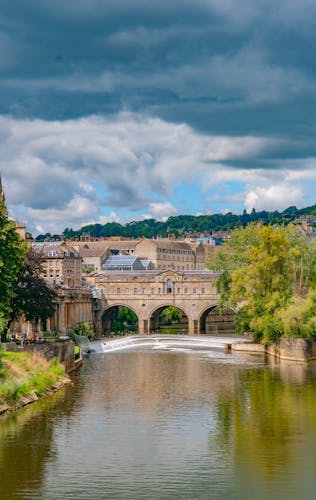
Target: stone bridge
x=148, y=293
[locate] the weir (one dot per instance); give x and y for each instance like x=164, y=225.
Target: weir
x=164, y=342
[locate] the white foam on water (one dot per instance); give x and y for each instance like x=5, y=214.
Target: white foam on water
x=180, y=343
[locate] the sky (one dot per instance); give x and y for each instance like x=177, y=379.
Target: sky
x=128, y=109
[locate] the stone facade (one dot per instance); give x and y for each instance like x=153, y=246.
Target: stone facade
x=61, y=264
x=179, y=255
x=147, y=293
x=172, y=254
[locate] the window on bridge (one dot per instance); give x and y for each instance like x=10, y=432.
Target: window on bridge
x=169, y=286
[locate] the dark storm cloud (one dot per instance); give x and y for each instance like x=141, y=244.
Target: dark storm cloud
x=223, y=67
x=211, y=92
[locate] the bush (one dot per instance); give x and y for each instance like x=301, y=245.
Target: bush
x=84, y=330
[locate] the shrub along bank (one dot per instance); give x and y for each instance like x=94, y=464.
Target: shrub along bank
x=25, y=377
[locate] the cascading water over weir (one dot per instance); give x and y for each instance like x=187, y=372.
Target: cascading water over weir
x=164, y=342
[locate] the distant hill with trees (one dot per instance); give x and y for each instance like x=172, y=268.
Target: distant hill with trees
x=182, y=225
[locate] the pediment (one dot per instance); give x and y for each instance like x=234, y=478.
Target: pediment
x=169, y=274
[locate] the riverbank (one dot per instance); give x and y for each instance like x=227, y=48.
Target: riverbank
x=26, y=377
x=290, y=349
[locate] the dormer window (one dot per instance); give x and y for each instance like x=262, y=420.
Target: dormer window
x=52, y=253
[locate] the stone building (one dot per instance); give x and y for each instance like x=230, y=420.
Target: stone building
x=93, y=256
x=94, y=253
x=180, y=255
x=172, y=254
x=62, y=264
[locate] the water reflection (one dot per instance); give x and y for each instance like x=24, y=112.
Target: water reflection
x=25, y=445
x=267, y=427
x=150, y=424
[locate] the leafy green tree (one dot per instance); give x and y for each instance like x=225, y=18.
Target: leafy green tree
x=125, y=316
x=32, y=296
x=299, y=318
x=185, y=224
x=13, y=253
x=233, y=256
x=261, y=269
x=170, y=314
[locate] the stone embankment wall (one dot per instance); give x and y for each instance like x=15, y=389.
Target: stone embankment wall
x=63, y=351
x=290, y=349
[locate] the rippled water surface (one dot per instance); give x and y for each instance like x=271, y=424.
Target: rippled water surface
x=158, y=424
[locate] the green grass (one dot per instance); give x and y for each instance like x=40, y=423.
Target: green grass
x=22, y=373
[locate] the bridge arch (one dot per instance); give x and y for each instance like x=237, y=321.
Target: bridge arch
x=210, y=319
x=111, y=313
x=155, y=320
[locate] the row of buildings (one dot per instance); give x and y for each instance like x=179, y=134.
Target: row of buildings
x=67, y=263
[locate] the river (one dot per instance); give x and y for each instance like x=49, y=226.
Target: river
x=167, y=422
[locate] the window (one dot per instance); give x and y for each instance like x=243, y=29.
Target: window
x=203, y=290
x=159, y=290
x=194, y=290
x=169, y=286
x=118, y=291
x=185, y=290
x=179, y=290
x=144, y=290
x=135, y=291
x=152, y=291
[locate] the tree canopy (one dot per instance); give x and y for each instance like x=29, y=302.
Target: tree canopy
x=32, y=296
x=267, y=273
x=13, y=253
x=185, y=224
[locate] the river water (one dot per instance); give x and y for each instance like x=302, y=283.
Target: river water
x=162, y=423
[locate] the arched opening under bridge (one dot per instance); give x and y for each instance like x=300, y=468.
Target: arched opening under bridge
x=169, y=319
x=212, y=322
x=119, y=320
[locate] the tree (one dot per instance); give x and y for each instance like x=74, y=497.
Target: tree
x=263, y=285
x=126, y=316
x=299, y=318
x=13, y=253
x=261, y=270
x=233, y=256
x=170, y=314
x=32, y=297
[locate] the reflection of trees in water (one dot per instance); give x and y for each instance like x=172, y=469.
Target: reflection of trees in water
x=265, y=423
x=25, y=444
x=26, y=439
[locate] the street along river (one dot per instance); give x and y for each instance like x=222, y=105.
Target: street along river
x=164, y=422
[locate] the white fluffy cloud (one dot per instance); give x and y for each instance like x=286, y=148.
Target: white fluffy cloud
x=161, y=210
x=69, y=173
x=275, y=197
